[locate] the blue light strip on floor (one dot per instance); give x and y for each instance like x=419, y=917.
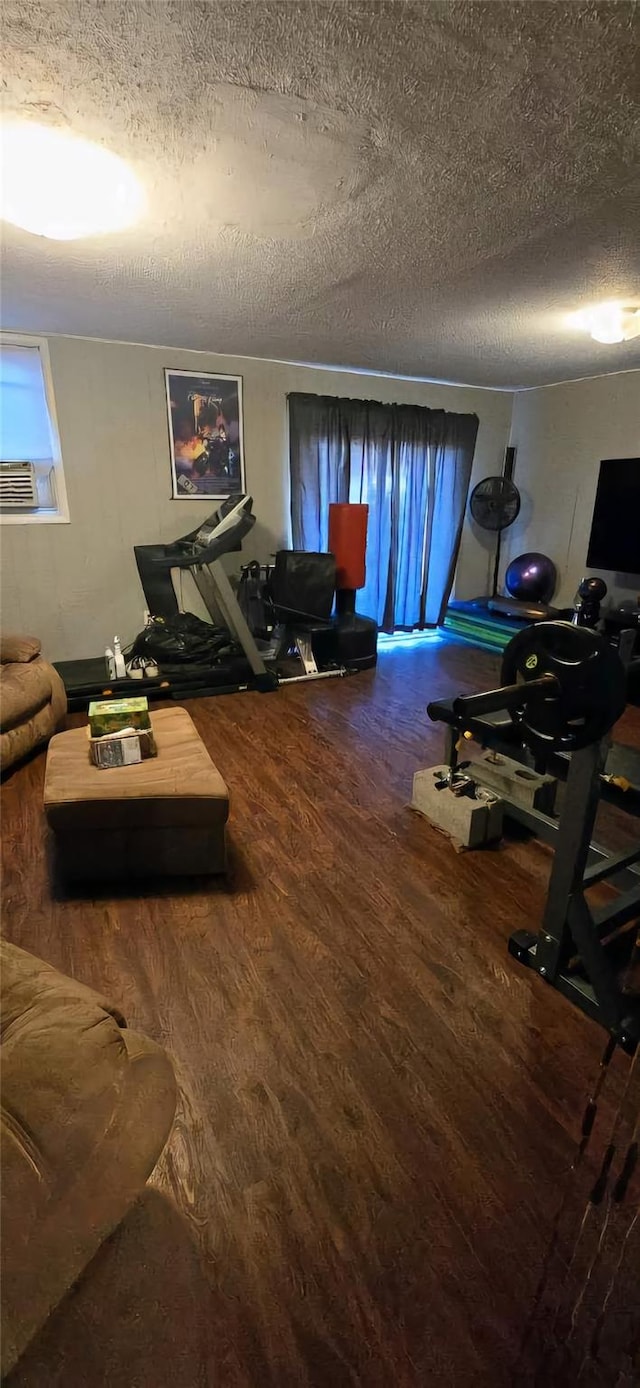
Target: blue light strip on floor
x=405, y=640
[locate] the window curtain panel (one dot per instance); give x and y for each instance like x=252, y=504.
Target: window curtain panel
x=412, y=467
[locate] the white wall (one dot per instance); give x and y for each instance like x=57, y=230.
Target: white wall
x=561, y=433
x=75, y=585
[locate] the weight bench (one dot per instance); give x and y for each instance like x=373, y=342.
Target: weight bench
x=564, y=689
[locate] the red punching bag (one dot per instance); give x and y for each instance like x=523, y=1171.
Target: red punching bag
x=348, y=542
x=357, y=636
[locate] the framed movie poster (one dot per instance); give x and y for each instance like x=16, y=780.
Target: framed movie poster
x=205, y=434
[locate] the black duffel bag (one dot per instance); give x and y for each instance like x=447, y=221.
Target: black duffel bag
x=184, y=640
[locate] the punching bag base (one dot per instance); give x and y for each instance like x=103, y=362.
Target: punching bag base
x=357, y=642
x=351, y=641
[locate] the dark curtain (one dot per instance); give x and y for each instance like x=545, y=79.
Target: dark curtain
x=412, y=467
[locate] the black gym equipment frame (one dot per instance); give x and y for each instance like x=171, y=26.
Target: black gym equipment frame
x=580, y=949
x=571, y=925
x=572, y=931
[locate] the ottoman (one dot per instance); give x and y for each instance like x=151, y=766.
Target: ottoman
x=164, y=816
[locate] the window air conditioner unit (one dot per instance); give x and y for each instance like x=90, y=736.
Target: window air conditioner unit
x=18, y=485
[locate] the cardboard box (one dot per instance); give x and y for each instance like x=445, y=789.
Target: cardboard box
x=113, y=715
x=122, y=749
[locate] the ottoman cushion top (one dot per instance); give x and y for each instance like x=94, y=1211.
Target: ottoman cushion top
x=179, y=787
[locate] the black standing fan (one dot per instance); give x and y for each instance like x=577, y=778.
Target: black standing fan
x=494, y=504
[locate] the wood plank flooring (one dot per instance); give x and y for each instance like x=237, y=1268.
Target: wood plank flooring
x=377, y=1105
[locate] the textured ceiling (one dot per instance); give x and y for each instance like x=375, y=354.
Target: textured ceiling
x=421, y=188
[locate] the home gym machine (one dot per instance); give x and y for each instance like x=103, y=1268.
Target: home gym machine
x=563, y=687
x=301, y=588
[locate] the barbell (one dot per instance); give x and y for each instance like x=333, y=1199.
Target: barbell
x=564, y=687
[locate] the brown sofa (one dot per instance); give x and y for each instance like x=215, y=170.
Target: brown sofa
x=32, y=698
x=86, y=1110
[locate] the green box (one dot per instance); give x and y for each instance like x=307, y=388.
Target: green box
x=112, y=715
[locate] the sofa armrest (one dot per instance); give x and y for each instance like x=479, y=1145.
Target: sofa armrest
x=18, y=649
x=86, y=1110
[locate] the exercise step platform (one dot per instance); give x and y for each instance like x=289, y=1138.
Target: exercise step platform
x=475, y=623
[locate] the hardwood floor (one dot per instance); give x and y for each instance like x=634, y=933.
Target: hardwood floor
x=377, y=1105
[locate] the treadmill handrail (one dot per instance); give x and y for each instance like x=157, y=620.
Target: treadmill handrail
x=226, y=538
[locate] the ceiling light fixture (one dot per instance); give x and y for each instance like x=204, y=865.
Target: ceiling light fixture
x=58, y=185
x=610, y=322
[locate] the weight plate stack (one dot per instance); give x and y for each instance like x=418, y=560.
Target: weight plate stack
x=590, y=691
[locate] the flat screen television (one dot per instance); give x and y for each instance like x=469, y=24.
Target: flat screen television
x=615, y=529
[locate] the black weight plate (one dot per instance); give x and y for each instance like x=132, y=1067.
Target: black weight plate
x=591, y=685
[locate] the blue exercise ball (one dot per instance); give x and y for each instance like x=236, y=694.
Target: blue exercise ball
x=531, y=578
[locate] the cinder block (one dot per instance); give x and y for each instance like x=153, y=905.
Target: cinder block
x=469, y=822
x=511, y=780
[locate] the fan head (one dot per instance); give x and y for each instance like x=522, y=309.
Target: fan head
x=495, y=503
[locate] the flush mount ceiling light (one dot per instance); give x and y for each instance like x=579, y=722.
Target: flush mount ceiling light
x=58, y=185
x=611, y=322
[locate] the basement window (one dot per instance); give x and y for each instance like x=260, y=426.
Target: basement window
x=32, y=487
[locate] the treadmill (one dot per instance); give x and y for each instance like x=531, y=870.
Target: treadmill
x=201, y=553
